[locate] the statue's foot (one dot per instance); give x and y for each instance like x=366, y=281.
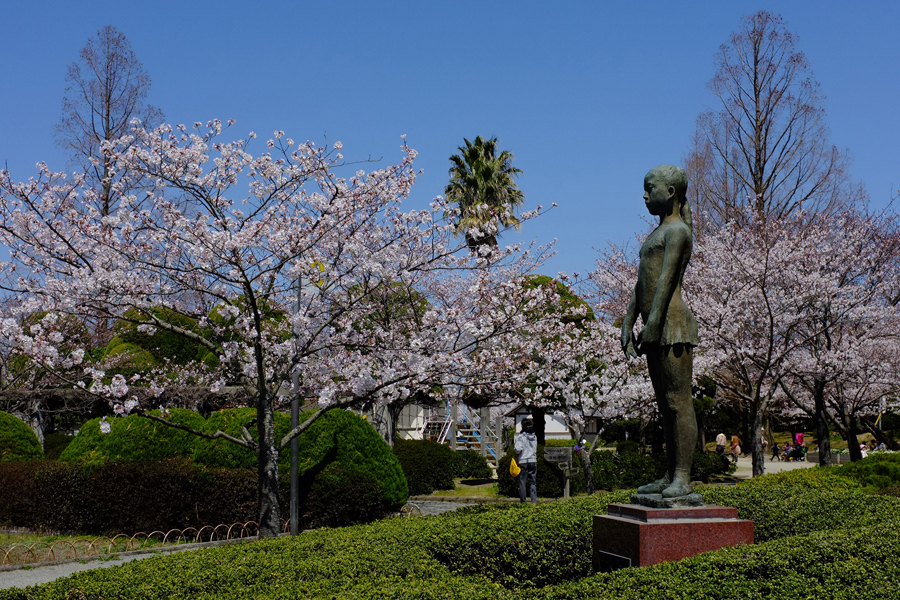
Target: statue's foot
x=654, y=488
x=677, y=489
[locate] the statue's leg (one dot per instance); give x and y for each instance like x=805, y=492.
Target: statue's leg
x=677, y=368
x=654, y=366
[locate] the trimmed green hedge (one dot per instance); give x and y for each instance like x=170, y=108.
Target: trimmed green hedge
x=343, y=439
x=134, y=439
x=17, y=440
x=125, y=497
x=427, y=465
x=470, y=464
x=614, y=471
x=519, y=552
x=348, y=474
x=228, y=455
x=877, y=471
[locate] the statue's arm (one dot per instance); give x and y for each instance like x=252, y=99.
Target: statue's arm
x=677, y=249
x=628, y=326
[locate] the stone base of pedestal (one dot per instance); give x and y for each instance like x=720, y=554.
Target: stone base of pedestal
x=637, y=536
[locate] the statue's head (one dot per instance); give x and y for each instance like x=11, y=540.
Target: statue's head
x=673, y=179
x=671, y=176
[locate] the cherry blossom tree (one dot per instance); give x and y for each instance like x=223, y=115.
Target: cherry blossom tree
x=849, y=366
x=800, y=312
x=278, y=258
x=746, y=293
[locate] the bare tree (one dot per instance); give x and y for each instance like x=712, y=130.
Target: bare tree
x=107, y=88
x=767, y=144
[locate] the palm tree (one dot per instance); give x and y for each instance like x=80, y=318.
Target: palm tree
x=481, y=184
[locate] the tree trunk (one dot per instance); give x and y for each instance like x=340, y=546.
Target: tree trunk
x=35, y=419
x=540, y=424
x=852, y=440
x=267, y=468
x=822, y=433
x=879, y=434
x=393, y=417
x=701, y=431
x=757, y=452
x=585, y=457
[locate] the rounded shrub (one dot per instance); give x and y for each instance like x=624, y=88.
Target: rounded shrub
x=470, y=464
x=17, y=440
x=134, y=439
x=223, y=454
x=345, y=495
x=343, y=444
x=427, y=465
x=876, y=472
x=628, y=447
x=708, y=464
x=622, y=470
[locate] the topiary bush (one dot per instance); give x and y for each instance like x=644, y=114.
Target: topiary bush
x=628, y=447
x=427, y=465
x=345, y=495
x=346, y=440
x=338, y=438
x=134, y=439
x=709, y=464
x=470, y=464
x=613, y=471
x=17, y=440
x=877, y=471
x=223, y=454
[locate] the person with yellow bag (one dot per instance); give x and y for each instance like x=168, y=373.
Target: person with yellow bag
x=526, y=449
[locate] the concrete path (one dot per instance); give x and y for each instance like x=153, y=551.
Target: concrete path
x=745, y=467
x=21, y=577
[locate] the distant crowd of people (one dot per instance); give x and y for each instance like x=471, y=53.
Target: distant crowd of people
x=795, y=451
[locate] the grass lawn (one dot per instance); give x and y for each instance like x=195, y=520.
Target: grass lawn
x=476, y=489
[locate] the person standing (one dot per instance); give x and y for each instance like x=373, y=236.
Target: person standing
x=720, y=444
x=735, y=448
x=526, y=448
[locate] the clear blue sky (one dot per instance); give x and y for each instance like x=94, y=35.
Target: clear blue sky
x=587, y=95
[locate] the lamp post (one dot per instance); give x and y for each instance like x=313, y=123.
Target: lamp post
x=295, y=443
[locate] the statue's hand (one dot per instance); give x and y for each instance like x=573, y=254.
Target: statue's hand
x=628, y=344
x=630, y=352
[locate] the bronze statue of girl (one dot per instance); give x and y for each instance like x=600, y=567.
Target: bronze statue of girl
x=670, y=330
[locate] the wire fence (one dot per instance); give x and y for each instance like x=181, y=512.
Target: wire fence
x=70, y=548
x=85, y=547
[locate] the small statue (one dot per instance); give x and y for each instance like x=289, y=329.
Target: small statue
x=669, y=334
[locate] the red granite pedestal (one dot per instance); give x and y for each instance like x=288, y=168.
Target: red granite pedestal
x=636, y=536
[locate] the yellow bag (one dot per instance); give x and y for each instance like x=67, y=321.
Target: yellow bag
x=514, y=469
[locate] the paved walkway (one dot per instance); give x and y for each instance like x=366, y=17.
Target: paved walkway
x=745, y=467
x=24, y=577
